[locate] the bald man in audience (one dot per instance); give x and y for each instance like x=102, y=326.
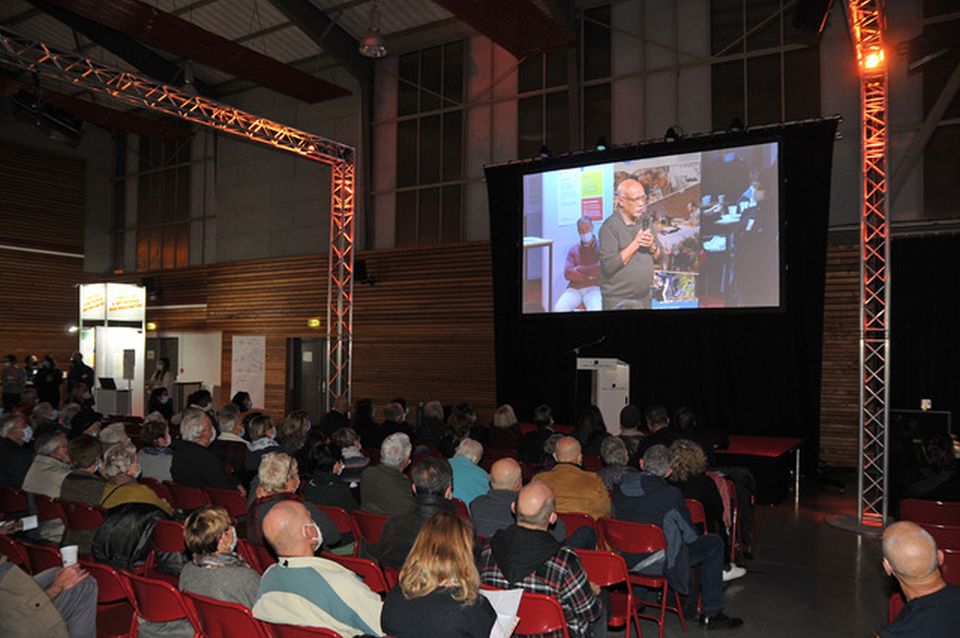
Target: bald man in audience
x=525, y=555
x=933, y=607
x=303, y=589
x=575, y=489
x=494, y=510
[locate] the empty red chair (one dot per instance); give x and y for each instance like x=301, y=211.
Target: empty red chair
x=368, y=570
x=369, y=525
x=167, y=537
x=344, y=522
x=947, y=536
x=894, y=605
x=608, y=569
x=42, y=557
x=159, y=488
x=940, y=512
x=219, y=619
x=540, y=614
x=575, y=520
x=81, y=516
x=231, y=500
x=13, y=501
x=698, y=515
x=637, y=538
x=159, y=601
x=188, y=498
x=15, y=553
x=297, y=631
x=115, y=614
x=49, y=509
x=460, y=508
x=950, y=567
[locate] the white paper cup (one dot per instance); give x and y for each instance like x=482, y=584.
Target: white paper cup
x=68, y=553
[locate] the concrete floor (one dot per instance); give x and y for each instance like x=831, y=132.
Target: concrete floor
x=806, y=578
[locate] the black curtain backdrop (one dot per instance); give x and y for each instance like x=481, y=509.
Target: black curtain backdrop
x=924, y=335
x=749, y=371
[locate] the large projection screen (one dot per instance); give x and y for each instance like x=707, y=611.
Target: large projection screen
x=686, y=231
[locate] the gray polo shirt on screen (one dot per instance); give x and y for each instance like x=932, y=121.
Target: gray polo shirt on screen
x=620, y=283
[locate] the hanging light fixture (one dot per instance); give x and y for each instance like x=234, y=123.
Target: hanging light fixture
x=372, y=44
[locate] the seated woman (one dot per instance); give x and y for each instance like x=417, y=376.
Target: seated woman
x=292, y=436
x=121, y=467
x=591, y=431
x=505, y=433
x=262, y=441
x=156, y=455
x=160, y=403
x=613, y=452
x=438, y=594
x=216, y=571
x=278, y=480
x=325, y=486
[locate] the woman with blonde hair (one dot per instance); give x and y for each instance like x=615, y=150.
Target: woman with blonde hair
x=216, y=570
x=438, y=594
x=505, y=433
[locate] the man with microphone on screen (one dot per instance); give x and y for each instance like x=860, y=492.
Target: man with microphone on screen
x=628, y=250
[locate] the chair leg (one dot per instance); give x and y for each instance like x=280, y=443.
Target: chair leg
x=683, y=623
x=663, y=608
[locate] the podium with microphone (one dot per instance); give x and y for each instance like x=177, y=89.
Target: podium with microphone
x=609, y=387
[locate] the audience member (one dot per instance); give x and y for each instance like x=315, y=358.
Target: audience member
x=83, y=485
x=647, y=497
x=383, y=488
x=613, y=453
x=364, y=424
x=590, y=431
x=457, y=429
x=194, y=465
x=338, y=417
x=79, y=373
x=163, y=376
x=292, y=435
x=86, y=420
x=303, y=589
x=685, y=421
x=113, y=434
x=494, y=510
x=58, y=602
x=216, y=570
x=160, y=403
x=575, y=489
x=230, y=445
x=47, y=381
x=525, y=555
x=658, y=423
x=15, y=455
x=432, y=486
x=121, y=467
x=325, y=486
x=28, y=399
x=505, y=433
x=438, y=594
x=262, y=441
x=347, y=444
x=531, y=446
x=50, y=466
x=933, y=607
x=242, y=401
x=45, y=419
x=14, y=380
x=156, y=455
x=469, y=479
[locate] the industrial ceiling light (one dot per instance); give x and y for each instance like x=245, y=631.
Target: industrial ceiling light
x=372, y=44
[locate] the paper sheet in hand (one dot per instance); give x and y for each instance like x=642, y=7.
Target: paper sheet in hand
x=29, y=522
x=505, y=603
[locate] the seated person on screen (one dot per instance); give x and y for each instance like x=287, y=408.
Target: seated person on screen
x=933, y=607
x=582, y=271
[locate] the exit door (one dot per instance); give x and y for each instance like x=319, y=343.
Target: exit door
x=305, y=389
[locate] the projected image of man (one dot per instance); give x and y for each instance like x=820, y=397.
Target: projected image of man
x=582, y=271
x=628, y=250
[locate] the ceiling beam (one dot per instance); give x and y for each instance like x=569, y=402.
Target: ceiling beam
x=186, y=40
x=328, y=35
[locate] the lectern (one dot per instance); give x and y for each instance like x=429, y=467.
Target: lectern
x=609, y=387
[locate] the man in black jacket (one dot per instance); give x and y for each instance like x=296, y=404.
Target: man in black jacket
x=194, y=465
x=531, y=446
x=15, y=456
x=79, y=372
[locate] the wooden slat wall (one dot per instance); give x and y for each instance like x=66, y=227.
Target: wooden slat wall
x=41, y=207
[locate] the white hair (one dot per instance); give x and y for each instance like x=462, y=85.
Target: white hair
x=470, y=449
x=193, y=424
x=113, y=434
x=276, y=468
x=395, y=450
x=8, y=423
x=47, y=444
x=118, y=459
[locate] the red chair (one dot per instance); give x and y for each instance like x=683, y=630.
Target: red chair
x=369, y=525
x=49, y=509
x=159, y=601
x=42, y=557
x=15, y=553
x=219, y=619
x=81, y=516
x=894, y=605
x=115, y=612
x=698, y=515
x=736, y=543
x=246, y=551
x=13, y=501
x=167, y=537
x=263, y=556
x=345, y=524
x=918, y=511
x=637, y=538
x=592, y=462
x=188, y=498
x=392, y=574
x=368, y=570
x=460, y=508
x=296, y=631
x=159, y=488
x=540, y=614
x=231, y=500
x=950, y=567
x=947, y=536
x=573, y=521
x=608, y=569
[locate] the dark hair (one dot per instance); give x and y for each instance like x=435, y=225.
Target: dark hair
x=685, y=419
x=240, y=398
x=155, y=395
x=344, y=437
x=12, y=358
x=657, y=414
x=166, y=362
x=84, y=450
x=151, y=431
x=458, y=425
x=323, y=457
x=401, y=401
x=432, y=476
x=543, y=415
x=589, y=425
x=200, y=397
x=363, y=411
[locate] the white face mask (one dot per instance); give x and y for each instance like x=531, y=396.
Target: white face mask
x=27, y=434
x=233, y=543
x=586, y=239
x=318, y=540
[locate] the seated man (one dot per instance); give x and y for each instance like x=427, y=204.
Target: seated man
x=58, y=602
x=303, y=589
x=582, y=271
x=525, y=555
x=531, y=445
x=15, y=456
x=469, y=479
x=432, y=485
x=383, y=488
x=50, y=466
x=933, y=607
x=83, y=485
x=194, y=465
x=575, y=489
x=230, y=445
x=647, y=497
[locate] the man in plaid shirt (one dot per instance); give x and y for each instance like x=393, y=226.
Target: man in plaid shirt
x=527, y=556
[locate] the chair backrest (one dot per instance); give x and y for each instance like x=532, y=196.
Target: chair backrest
x=159, y=488
x=460, y=508
x=110, y=585
x=13, y=501
x=49, y=509
x=369, y=525
x=220, y=619
x=168, y=537
x=15, y=553
x=366, y=569
x=950, y=567
x=540, y=614
x=592, y=462
x=342, y=519
x=575, y=520
x=81, y=516
x=188, y=498
x=603, y=568
x=947, y=536
x=42, y=557
x=246, y=551
x=263, y=556
x=698, y=516
x=296, y=631
x=631, y=538
x=231, y=500
x=919, y=511
x=157, y=600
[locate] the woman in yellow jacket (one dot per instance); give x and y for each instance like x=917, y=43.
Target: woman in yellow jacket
x=121, y=467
